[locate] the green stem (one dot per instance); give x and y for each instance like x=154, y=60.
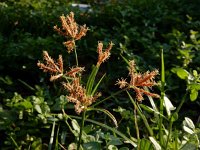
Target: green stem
x=181, y=104
x=141, y=115
x=169, y=132
x=81, y=129
x=75, y=52
x=15, y=143
x=76, y=56
x=162, y=97
x=171, y=118
x=136, y=124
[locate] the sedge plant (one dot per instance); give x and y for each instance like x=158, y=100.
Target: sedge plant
x=86, y=98
x=82, y=96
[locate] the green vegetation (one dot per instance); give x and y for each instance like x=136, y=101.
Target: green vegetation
x=129, y=82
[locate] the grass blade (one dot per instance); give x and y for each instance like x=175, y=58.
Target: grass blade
x=106, y=112
x=52, y=136
x=97, y=85
x=91, y=80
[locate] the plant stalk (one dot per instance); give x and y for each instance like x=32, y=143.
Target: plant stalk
x=81, y=129
x=136, y=124
x=162, y=97
x=76, y=56
x=141, y=115
x=171, y=118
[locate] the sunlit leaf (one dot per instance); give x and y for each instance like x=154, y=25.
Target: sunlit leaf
x=181, y=73
x=155, y=143
x=38, y=109
x=188, y=122
x=168, y=105
x=193, y=95
x=188, y=130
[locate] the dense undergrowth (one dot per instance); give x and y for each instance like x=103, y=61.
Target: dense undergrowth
x=38, y=114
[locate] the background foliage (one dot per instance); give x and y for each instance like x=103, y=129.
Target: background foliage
x=139, y=29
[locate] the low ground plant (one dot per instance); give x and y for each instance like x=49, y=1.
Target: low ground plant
x=77, y=118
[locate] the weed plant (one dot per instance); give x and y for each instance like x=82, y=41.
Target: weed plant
x=135, y=116
x=157, y=131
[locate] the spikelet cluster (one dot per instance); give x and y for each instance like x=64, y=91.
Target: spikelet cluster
x=71, y=30
x=138, y=81
x=76, y=92
x=72, y=83
x=103, y=55
x=54, y=68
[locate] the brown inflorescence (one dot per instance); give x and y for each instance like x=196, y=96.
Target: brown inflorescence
x=71, y=30
x=103, y=56
x=54, y=68
x=139, y=81
x=77, y=94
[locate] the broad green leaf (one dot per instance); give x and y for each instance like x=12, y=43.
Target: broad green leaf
x=174, y=116
x=181, y=73
x=24, y=105
x=193, y=95
x=92, y=146
x=114, y=141
x=195, y=86
x=37, y=144
x=195, y=73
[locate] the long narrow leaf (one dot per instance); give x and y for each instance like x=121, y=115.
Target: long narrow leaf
x=124, y=59
x=52, y=136
x=155, y=143
x=91, y=80
x=56, y=144
x=97, y=85
x=151, y=110
x=106, y=112
x=151, y=100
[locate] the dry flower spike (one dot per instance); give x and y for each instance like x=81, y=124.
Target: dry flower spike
x=139, y=81
x=103, y=55
x=77, y=95
x=54, y=68
x=71, y=30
